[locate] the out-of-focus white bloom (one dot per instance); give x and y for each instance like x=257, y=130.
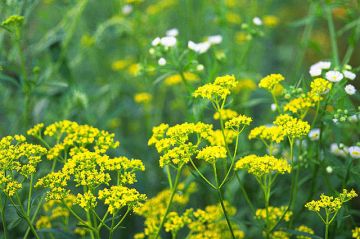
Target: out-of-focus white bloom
x=336, y=121
x=315, y=71
x=349, y=75
x=215, y=39
x=168, y=41
x=350, y=89
x=314, y=134
x=162, y=61
x=127, y=9
x=172, y=32
x=156, y=41
x=200, y=67
x=273, y=107
x=334, y=76
x=353, y=118
x=257, y=21
x=339, y=151
x=354, y=152
x=321, y=65
x=199, y=48
x=329, y=169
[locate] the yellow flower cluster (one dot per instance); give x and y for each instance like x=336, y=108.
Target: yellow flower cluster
x=43, y=223
x=268, y=133
x=245, y=85
x=226, y=114
x=210, y=153
x=269, y=82
x=17, y=157
x=356, y=233
x=142, y=98
x=175, y=142
x=293, y=127
x=154, y=209
x=319, y=86
x=298, y=105
x=273, y=214
x=216, y=137
x=303, y=228
x=86, y=200
x=118, y=197
x=210, y=224
x=261, y=165
x=36, y=130
x=174, y=222
x=235, y=123
x=329, y=203
x=220, y=89
x=177, y=79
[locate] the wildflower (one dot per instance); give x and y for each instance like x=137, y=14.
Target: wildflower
x=320, y=86
x=315, y=72
x=314, y=134
x=331, y=204
x=233, y=18
x=303, y=228
x=329, y=169
x=168, y=41
x=211, y=153
x=43, y=223
x=298, y=105
x=216, y=137
x=174, y=221
x=87, y=200
x=199, y=48
x=269, y=133
x=321, y=65
x=269, y=82
x=270, y=20
x=177, y=79
x=273, y=214
x=236, y=122
x=200, y=67
x=127, y=9
x=257, y=21
x=162, y=61
x=156, y=41
x=172, y=32
x=142, y=98
x=334, y=76
x=337, y=150
x=260, y=166
x=118, y=197
x=349, y=75
x=293, y=127
x=36, y=130
x=273, y=107
x=356, y=233
x=220, y=89
x=350, y=89
x=354, y=152
x=215, y=39
x=226, y=114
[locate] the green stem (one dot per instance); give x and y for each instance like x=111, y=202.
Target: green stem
x=2, y=211
x=177, y=178
x=332, y=33
x=121, y=220
x=30, y=194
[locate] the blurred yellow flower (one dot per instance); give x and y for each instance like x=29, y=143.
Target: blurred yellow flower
x=270, y=20
x=143, y=98
x=241, y=37
x=233, y=18
x=176, y=79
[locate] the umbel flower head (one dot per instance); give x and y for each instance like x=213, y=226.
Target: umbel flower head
x=262, y=165
x=293, y=127
x=269, y=82
x=238, y=122
x=218, y=90
x=268, y=133
x=211, y=153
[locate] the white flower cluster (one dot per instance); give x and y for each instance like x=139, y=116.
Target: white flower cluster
x=334, y=75
x=343, y=151
x=204, y=46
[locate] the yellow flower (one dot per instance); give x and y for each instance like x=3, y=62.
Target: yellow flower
x=233, y=18
x=271, y=81
x=220, y=89
x=299, y=105
x=356, y=233
x=260, y=166
x=303, y=228
x=273, y=214
x=87, y=200
x=270, y=20
x=43, y=223
x=293, y=127
x=119, y=65
x=143, y=98
x=235, y=123
x=225, y=114
x=269, y=133
x=211, y=153
x=177, y=79
x=241, y=37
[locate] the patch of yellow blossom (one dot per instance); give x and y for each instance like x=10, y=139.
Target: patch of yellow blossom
x=293, y=127
x=268, y=133
x=143, y=98
x=269, y=82
x=238, y=122
x=303, y=228
x=177, y=79
x=211, y=153
x=218, y=90
x=273, y=214
x=226, y=114
x=356, y=233
x=262, y=165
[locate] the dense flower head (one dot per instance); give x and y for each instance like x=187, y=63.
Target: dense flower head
x=216, y=137
x=356, y=233
x=36, y=130
x=177, y=79
x=320, y=86
x=175, y=143
x=269, y=82
x=306, y=229
x=86, y=200
x=118, y=197
x=220, y=89
x=174, y=221
x=143, y=98
x=237, y=122
x=211, y=153
x=225, y=114
x=268, y=133
x=273, y=214
x=261, y=165
x=298, y=105
x=293, y=127
x=329, y=203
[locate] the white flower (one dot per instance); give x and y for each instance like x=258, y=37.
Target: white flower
x=199, y=48
x=321, y=65
x=339, y=151
x=314, y=71
x=200, y=67
x=349, y=75
x=353, y=118
x=214, y=40
x=162, y=61
x=336, y=121
x=156, y=41
x=329, y=169
x=273, y=107
x=127, y=9
x=354, y=152
x=314, y=134
x=334, y=76
x=350, y=89
x=257, y=21
x=168, y=41
x=172, y=32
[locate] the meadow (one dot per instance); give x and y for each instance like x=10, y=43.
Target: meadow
x=179, y=119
